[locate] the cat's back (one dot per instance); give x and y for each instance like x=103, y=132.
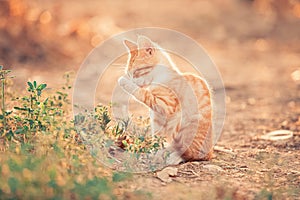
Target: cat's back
x=197, y=83
x=201, y=90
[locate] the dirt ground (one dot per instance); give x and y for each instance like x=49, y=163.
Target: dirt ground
x=255, y=45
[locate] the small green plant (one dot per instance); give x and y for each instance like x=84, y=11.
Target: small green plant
x=34, y=114
x=5, y=113
x=102, y=115
x=132, y=135
x=61, y=97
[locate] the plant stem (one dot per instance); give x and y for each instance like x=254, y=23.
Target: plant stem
x=31, y=106
x=3, y=102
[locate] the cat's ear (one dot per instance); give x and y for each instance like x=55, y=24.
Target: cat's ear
x=146, y=44
x=131, y=46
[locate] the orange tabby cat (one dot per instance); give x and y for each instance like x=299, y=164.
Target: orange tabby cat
x=179, y=103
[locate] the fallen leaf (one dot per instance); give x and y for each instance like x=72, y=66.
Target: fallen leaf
x=278, y=135
x=166, y=174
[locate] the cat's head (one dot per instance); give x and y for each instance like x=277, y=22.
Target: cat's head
x=147, y=62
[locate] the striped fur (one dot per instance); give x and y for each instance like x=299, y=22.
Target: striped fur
x=180, y=104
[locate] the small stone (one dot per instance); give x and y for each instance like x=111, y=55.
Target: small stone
x=243, y=106
x=296, y=75
x=291, y=104
x=228, y=99
x=251, y=101
x=298, y=121
x=284, y=123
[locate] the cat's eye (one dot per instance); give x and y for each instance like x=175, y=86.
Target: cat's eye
x=149, y=51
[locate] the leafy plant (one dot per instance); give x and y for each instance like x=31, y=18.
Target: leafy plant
x=34, y=114
x=130, y=134
x=44, y=159
x=102, y=115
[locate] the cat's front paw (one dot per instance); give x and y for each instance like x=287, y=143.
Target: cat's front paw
x=167, y=157
x=127, y=85
x=122, y=81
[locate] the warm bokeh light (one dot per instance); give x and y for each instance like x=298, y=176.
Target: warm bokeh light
x=261, y=45
x=296, y=10
x=296, y=75
x=96, y=39
x=17, y=7
x=33, y=14
x=45, y=17
x=82, y=29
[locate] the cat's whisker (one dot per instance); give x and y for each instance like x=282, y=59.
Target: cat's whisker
x=120, y=70
x=119, y=66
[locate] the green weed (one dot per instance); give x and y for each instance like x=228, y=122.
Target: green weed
x=43, y=157
x=131, y=134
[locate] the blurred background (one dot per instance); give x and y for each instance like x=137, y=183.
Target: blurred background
x=41, y=40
